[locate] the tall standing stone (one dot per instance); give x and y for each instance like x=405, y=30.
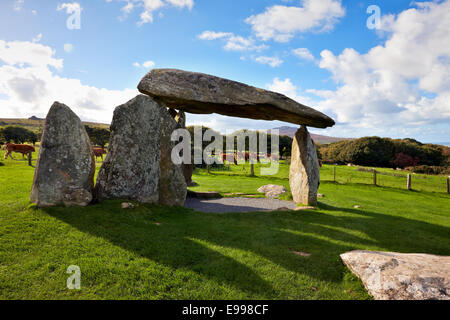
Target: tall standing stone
x=138, y=165
x=188, y=169
x=65, y=167
x=172, y=184
x=304, y=177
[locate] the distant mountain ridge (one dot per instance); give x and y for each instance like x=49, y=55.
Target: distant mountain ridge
x=36, y=124
x=319, y=139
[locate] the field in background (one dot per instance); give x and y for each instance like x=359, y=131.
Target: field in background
x=237, y=177
x=155, y=252
x=37, y=125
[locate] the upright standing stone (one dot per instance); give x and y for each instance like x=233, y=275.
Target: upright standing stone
x=65, y=167
x=131, y=168
x=138, y=165
x=304, y=175
x=172, y=184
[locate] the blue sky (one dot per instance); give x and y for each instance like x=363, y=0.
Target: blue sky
x=319, y=52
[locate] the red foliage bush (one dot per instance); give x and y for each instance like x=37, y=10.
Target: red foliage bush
x=403, y=160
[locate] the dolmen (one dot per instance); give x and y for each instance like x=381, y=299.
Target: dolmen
x=138, y=165
x=200, y=93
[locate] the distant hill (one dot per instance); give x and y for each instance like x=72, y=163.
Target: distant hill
x=319, y=139
x=34, y=118
x=36, y=124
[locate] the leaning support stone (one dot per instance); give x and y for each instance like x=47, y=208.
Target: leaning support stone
x=172, y=183
x=138, y=165
x=304, y=177
x=65, y=167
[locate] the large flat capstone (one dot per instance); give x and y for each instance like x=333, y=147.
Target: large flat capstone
x=65, y=168
x=400, y=276
x=205, y=94
x=138, y=165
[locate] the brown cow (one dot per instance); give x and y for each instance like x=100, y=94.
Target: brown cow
x=99, y=152
x=24, y=149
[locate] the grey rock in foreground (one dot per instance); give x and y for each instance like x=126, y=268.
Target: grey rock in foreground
x=138, y=165
x=304, y=176
x=205, y=94
x=65, y=167
x=399, y=276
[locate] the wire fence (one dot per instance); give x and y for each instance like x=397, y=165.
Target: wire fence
x=386, y=178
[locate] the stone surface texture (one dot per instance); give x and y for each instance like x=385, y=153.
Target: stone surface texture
x=304, y=177
x=138, y=165
x=399, y=276
x=65, y=167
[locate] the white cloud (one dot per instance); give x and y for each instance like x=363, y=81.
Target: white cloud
x=403, y=83
x=271, y=61
x=38, y=38
x=68, y=47
x=69, y=7
x=281, y=23
x=233, y=42
x=30, y=84
x=150, y=6
x=17, y=53
x=287, y=88
x=18, y=4
x=146, y=64
x=211, y=35
x=303, y=53
x=182, y=3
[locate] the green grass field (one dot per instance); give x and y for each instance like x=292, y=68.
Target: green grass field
x=155, y=252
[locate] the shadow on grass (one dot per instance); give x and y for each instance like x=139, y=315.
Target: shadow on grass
x=195, y=241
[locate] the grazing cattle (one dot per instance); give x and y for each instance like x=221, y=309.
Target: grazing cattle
x=99, y=152
x=24, y=149
x=247, y=156
x=225, y=157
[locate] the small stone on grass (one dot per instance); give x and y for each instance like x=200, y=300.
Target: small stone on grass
x=127, y=205
x=301, y=254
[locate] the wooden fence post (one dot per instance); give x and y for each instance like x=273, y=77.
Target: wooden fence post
x=252, y=170
x=334, y=174
x=408, y=182
x=374, y=177
x=208, y=168
x=448, y=185
x=30, y=158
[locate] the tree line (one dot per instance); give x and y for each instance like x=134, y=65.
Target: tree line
x=19, y=135
x=385, y=152
x=285, y=142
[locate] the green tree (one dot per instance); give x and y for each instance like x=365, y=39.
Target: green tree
x=18, y=134
x=98, y=136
